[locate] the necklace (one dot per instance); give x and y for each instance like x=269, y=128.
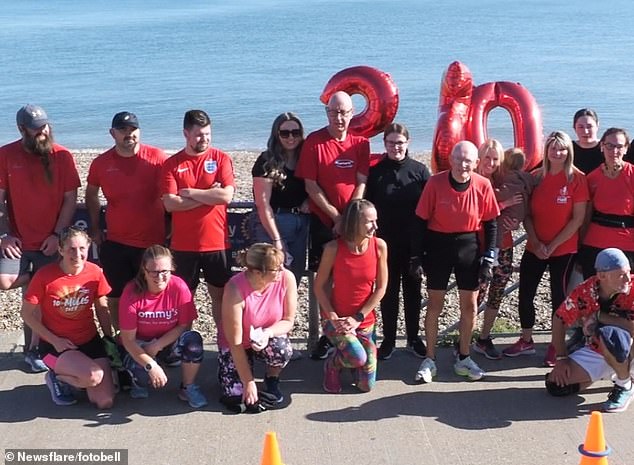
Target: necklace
x=613, y=171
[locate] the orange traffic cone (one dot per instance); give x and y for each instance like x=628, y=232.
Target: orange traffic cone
x=271, y=453
x=593, y=450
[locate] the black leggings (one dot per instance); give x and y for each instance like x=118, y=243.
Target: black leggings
x=531, y=271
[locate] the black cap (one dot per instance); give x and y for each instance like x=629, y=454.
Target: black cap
x=125, y=119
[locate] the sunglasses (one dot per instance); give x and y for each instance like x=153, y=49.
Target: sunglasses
x=286, y=133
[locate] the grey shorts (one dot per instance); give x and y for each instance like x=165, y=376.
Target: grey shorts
x=31, y=261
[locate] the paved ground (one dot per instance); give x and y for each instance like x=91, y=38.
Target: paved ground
x=506, y=419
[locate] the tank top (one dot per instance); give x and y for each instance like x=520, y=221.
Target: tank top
x=353, y=278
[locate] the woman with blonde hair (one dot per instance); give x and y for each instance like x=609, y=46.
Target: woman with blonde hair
x=258, y=312
x=556, y=213
x=350, y=283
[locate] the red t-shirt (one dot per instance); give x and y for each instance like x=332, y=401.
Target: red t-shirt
x=334, y=166
x=551, y=208
x=616, y=197
x=449, y=211
x=154, y=315
x=67, y=301
x=34, y=203
x=135, y=215
x=204, y=228
x=353, y=278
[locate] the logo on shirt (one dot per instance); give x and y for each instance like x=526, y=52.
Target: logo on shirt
x=181, y=170
x=211, y=166
x=170, y=314
x=344, y=163
x=71, y=300
x=562, y=198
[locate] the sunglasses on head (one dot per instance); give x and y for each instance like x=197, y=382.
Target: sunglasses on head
x=286, y=133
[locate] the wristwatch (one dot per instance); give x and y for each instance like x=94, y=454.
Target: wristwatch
x=148, y=367
x=359, y=316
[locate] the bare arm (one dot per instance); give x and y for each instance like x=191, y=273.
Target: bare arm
x=103, y=315
x=11, y=246
x=232, y=308
x=262, y=188
x=215, y=195
x=31, y=315
x=176, y=203
x=317, y=195
x=359, y=191
x=93, y=205
x=323, y=281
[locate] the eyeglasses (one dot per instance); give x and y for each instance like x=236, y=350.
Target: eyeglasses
x=157, y=273
x=400, y=143
x=286, y=133
x=334, y=113
x=611, y=146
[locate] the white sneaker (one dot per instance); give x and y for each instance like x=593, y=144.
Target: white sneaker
x=426, y=371
x=468, y=368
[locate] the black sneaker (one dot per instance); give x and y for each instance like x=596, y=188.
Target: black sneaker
x=417, y=347
x=323, y=349
x=272, y=386
x=386, y=350
x=486, y=348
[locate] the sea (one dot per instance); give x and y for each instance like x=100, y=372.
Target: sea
x=246, y=61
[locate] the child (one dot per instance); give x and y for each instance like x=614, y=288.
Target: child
x=514, y=181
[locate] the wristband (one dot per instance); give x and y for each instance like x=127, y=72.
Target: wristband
x=561, y=357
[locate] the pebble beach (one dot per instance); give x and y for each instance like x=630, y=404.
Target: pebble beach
x=10, y=301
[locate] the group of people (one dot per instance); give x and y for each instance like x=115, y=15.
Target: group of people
x=365, y=231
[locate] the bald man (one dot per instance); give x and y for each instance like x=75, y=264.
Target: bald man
x=334, y=165
x=453, y=207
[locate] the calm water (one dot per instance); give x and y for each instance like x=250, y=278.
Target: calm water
x=246, y=61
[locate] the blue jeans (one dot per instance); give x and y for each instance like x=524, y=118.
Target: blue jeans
x=293, y=229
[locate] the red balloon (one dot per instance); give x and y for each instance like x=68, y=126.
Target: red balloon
x=453, y=110
x=378, y=89
x=525, y=115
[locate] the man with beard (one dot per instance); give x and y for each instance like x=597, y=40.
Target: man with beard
x=198, y=184
x=129, y=176
x=603, y=305
x=38, y=194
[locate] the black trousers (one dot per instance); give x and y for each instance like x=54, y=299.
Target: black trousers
x=398, y=273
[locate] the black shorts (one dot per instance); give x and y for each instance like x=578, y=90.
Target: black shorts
x=447, y=252
x=93, y=349
x=320, y=235
x=214, y=265
x=120, y=264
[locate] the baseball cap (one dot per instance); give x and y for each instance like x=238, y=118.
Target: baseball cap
x=611, y=259
x=31, y=116
x=125, y=119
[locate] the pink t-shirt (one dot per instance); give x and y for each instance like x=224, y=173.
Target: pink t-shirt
x=261, y=309
x=154, y=315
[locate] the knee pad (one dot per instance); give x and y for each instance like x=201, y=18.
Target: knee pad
x=561, y=391
x=190, y=346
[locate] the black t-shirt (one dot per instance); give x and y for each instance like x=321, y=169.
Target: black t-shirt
x=587, y=160
x=294, y=192
x=394, y=187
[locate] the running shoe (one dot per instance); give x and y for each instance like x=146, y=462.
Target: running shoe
x=426, y=371
x=323, y=350
x=61, y=393
x=469, y=369
x=417, y=347
x=618, y=399
x=332, y=382
x=385, y=350
x=192, y=395
x=138, y=392
x=33, y=359
x=272, y=386
x=551, y=356
x=521, y=347
x=486, y=348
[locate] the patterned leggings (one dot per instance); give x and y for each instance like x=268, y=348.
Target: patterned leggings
x=276, y=354
x=357, y=351
x=501, y=275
